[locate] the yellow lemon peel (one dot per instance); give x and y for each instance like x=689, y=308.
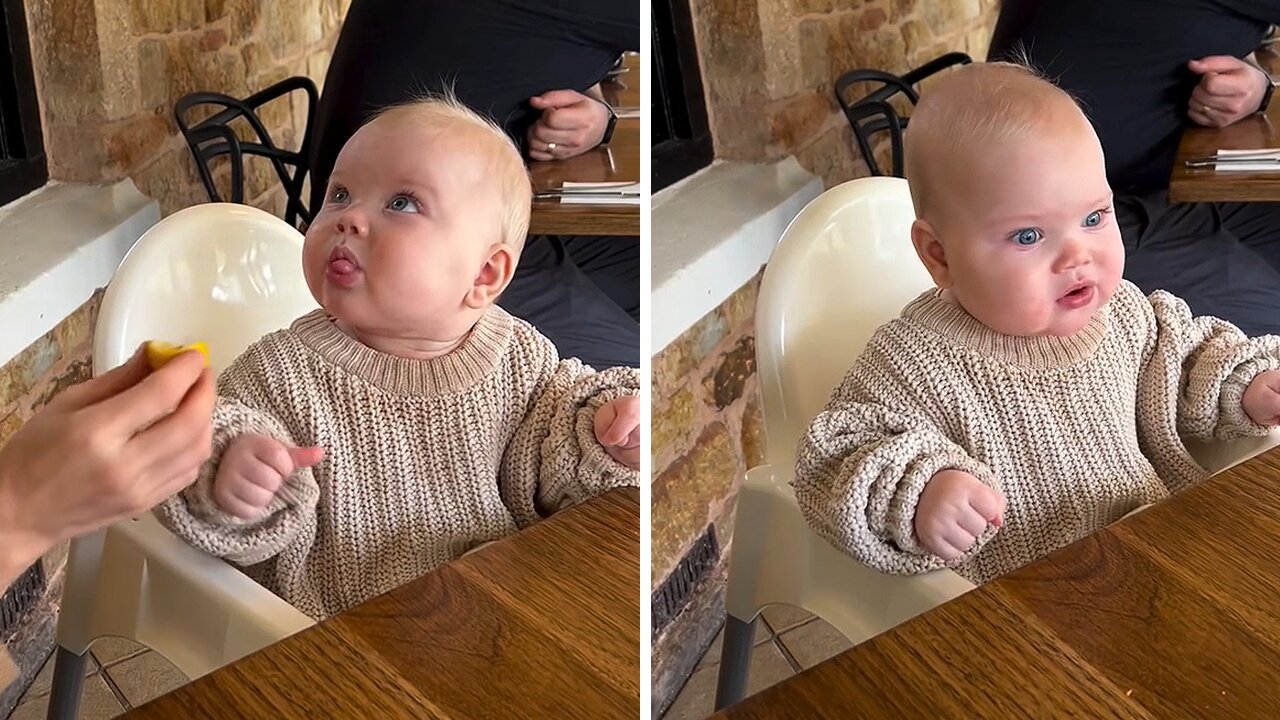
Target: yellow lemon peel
x=158, y=353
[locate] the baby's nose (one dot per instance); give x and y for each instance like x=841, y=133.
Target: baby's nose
x=352, y=223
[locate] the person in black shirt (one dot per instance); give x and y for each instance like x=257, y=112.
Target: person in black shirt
x=1143, y=71
x=534, y=66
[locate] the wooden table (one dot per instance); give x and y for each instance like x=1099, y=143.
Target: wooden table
x=1171, y=613
x=1262, y=130
x=545, y=624
x=618, y=161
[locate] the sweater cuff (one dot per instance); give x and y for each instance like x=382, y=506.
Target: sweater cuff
x=595, y=472
x=1233, y=421
x=901, y=519
x=195, y=516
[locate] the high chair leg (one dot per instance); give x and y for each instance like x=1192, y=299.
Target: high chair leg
x=735, y=661
x=68, y=684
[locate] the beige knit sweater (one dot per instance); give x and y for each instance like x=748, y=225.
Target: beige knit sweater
x=1075, y=432
x=424, y=459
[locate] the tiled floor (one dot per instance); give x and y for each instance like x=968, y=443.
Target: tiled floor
x=121, y=676
x=788, y=640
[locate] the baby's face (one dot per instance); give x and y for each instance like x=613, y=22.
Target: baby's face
x=1030, y=235
x=405, y=227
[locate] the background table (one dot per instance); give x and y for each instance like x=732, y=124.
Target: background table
x=1172, y=613
x=1262, y=130
x=544, y=624
x=616, y=162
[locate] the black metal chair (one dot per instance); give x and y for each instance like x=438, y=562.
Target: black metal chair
x=213, y=136
x=873, y=113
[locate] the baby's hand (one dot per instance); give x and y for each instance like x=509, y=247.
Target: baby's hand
x=618, y=430
x=1262, y=398
x=252, y=471
x=954, y=509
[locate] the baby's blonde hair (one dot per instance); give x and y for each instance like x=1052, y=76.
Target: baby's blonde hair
x=507, y=169
x=967, y=108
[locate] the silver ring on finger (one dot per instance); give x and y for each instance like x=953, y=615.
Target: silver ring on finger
x=551, y=147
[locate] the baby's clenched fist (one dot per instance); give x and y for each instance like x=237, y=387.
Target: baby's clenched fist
x=954, y=510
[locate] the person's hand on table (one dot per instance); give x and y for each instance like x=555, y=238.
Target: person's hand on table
x=571, y=124
x=954, y=510
x=1230, y=90
x=107, y=449
x=617, y=426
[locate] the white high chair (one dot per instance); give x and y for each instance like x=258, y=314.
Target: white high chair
x=844, y=266
x=226, y=274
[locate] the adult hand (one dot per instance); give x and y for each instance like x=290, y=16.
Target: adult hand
x=1230, y=89
x=104, y=450
x=571, y=124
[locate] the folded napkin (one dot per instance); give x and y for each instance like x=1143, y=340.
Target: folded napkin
x=599, y=193
x=1260, y=160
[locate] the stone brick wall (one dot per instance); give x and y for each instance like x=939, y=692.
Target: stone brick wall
x=707, y=431
x=769, y=67
x=108, y=73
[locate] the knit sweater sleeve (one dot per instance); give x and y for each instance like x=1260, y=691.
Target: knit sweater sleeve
x=554, y=460
x=865, y=459
x=248, y=403
x=1210, y=363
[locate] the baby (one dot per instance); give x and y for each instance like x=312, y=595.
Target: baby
x=410, y=419
x=1034, y=396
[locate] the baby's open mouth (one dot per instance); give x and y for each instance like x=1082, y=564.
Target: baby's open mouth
x=1077, y=296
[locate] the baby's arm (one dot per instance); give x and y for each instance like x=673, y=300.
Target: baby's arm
x=555, y=459
x=205, y=514
x=862, y=471
x=1216, y=365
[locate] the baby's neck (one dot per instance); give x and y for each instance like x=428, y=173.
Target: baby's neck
x=411, y=348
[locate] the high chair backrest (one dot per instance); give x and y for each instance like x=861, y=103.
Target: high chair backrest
x=223, y=273
x=844, y=266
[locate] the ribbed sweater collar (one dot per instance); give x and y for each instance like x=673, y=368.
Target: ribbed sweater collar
x=953, y=322
x=454, y=371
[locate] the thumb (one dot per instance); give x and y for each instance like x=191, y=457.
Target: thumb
x=555, y=99
x=305, y=457
x=1215, y=64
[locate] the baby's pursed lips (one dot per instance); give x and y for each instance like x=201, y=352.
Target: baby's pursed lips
x=342, y=253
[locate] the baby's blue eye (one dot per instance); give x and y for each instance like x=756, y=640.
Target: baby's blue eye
x=1094, y=219
x=338, y=195
x=403, y=203
x=1026, y=236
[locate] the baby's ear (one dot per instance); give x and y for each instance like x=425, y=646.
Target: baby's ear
x=494, y=276
x=931, y=253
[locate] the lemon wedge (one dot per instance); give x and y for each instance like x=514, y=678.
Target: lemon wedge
x=158, y=353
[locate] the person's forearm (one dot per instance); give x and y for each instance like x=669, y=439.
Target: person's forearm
x=18, y=548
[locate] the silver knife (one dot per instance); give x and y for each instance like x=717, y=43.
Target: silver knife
x=590, y=193
x=1211, y=161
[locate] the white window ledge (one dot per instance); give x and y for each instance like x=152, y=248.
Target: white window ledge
x=57, y=246
x=711, y=234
